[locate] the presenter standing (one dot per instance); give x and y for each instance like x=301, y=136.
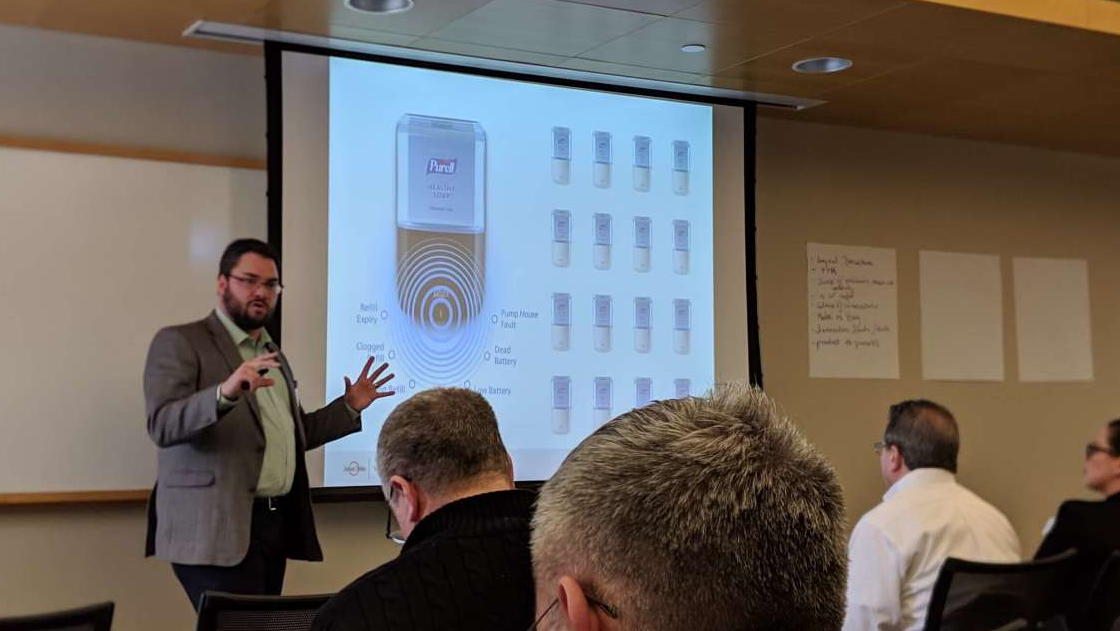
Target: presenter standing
x=231, y=502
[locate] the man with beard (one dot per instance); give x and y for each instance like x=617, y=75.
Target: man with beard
x=231, y=501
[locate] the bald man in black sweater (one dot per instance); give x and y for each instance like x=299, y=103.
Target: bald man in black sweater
x=465, y=562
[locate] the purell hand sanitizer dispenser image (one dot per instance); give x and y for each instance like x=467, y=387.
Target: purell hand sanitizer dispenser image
x=561, y=155
x=441, y=244
x=601, y=164
x=604, y=392
x=602, y=236
x=561, y=321
x=561, y=238
x=680, y=167
x=643, y=391
x=561, y=405
x=642, y=307
x=602, y=315
x=643, y=239
x=682, y=326
x=681, y=240
x=643, y=160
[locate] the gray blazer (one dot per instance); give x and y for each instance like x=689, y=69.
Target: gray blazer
x=209, y=462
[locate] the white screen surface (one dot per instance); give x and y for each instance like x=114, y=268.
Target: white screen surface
x=552, y=248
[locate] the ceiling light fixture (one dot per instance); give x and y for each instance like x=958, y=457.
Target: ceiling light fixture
x=822, y=65
x=693, y=48
x=380, y=7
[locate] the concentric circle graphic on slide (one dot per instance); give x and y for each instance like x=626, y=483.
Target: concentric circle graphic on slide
x=438, y=333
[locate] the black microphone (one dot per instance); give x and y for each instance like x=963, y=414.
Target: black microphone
x=245, y=383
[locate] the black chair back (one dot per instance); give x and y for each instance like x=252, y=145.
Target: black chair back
x=1103, y=610
x=97, y=617
x=973, y=596
x=219, y=611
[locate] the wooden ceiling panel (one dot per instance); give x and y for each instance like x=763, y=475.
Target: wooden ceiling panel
x=487, y=52
x=958, y=121
x=319, y=16
x=931, y=83
x=1104, y=16
x=603, y=67
x=931, y=29
x=1091, y=132
x=659, y=46
x=963, y=120
x=23, y=12
x=1067, y=12
x=967, y=120
x=1050, y=48
x=868, y=62
x=795, y=18
x=543, y=26
x=760, y=86
x=369, y=36
x=1055, y=95
x=657, y=7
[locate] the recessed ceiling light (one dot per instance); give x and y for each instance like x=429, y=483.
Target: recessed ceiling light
x=694, y=48
x=822, y=65
x=379, y=6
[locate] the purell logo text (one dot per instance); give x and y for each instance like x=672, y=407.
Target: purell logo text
x=444, y=166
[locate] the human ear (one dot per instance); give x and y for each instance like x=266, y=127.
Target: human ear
x=577, y=611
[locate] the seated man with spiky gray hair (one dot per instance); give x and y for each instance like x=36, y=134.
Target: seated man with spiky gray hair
x=705, y=513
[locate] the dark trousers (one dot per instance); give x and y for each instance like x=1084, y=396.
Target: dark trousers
x=260, y=572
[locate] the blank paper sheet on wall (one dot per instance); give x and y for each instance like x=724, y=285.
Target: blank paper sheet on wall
x=1052, y=319
x=962, y=316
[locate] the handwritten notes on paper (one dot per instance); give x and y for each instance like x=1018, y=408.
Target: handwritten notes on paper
x=853, y=312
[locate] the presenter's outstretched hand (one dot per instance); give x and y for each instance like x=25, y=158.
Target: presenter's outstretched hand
x=250, y=376
x=365, y=389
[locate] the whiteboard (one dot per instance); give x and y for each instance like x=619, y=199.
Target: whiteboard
x=96, y=254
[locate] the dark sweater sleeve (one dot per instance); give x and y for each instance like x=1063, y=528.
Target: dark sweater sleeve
x=340, y=613
x=324, y=619
x=1062, y=536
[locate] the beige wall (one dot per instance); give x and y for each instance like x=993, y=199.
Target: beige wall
x=79, y=88
x=1021, y=444
x=816, y=183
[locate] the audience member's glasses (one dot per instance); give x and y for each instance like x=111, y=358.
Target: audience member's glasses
x=879, y=447
x=392, y=535
x=272, y=286
x=1093, y=448
x=611, y=611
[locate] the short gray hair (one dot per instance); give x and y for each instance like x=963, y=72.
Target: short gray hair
x=699, y=513
x=441, y=439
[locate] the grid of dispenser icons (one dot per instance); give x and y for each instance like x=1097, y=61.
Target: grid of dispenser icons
x=602, y=224
x=603, y=398
x=602, y=241
x=602, y=161
x=602, y=323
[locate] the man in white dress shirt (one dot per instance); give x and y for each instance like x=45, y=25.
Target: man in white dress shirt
x=897, y=548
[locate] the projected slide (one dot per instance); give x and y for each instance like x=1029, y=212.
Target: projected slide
x=548, y=247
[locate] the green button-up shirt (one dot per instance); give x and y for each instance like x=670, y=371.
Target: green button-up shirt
x=279, y=466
